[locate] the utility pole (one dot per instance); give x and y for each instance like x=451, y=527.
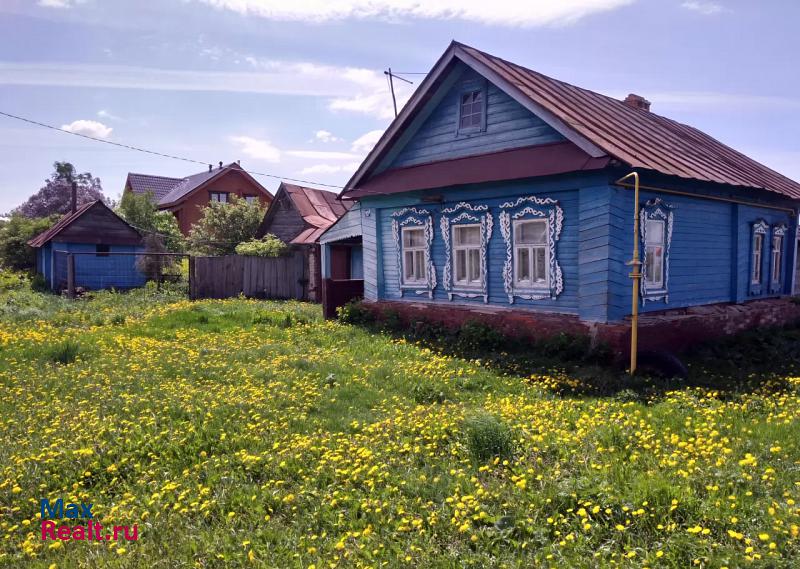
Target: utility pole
x=391, y=77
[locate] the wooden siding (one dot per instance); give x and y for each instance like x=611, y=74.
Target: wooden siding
x=91, y=271
x=283, y=220
x=349, y=225
x=508, y=125
x=709, y=258
x=373, y=267
x=99, y=225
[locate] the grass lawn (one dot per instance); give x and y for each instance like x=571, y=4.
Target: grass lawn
x=246, y=433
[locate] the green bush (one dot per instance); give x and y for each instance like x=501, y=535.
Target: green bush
x=475, y=336
x=64, y=353
x=14, y=235
x=488, y=437
x=355, y=313
x=268, y=246
x=224, y=226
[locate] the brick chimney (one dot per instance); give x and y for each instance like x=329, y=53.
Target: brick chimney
x=637, y=102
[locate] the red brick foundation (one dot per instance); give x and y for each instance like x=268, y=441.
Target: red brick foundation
x=673, y=330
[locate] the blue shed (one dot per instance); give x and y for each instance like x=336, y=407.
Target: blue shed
x=102, y=244
x=498, y=191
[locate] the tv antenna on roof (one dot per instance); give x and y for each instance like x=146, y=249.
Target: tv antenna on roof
x=392, y=76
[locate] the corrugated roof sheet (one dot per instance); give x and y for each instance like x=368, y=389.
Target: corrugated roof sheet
x=640, y=138
x=319, y=209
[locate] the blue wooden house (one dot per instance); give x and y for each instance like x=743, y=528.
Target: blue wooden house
x=497, y=190
x=102, y=244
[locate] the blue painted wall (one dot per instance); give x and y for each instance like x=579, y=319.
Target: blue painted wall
x=91, y=271
x=709, y=252
x=508, y=125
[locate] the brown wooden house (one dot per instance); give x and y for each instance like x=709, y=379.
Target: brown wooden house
x=186, y=197
x=299, y=216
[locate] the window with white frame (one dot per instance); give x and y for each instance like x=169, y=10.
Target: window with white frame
x=221, y=197
x=531, y=262
x=414, y=246
x=467, y=255
x=758, y=246
x=777, y=258
x=655, y=237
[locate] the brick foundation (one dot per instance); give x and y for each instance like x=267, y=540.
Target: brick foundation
x=673, y=330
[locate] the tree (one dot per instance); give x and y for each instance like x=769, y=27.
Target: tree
x=55, y=197
x=140, y=211
x=267, y=246
x=225, y=225
x=14, y=235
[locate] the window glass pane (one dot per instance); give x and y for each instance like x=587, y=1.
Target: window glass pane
x=534, y=232
x=408, y=259
x=467, y=235
x=523, y=264
x=413, y=238
x=655, y=231
x=419, y=265
x=540, y=270
x=461, y=265
x=474, y=265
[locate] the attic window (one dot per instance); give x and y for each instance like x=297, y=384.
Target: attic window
x=472, y=110
x=221, y=197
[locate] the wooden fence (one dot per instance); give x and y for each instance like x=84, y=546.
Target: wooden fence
x=255, y=277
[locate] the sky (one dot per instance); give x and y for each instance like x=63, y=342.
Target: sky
x=296, y=89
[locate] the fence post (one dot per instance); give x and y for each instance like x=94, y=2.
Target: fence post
x=192, y=292
x=70, y=275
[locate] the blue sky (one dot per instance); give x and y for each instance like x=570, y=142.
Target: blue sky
x=296, y=88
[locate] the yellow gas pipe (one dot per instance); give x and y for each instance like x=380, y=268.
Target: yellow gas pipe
x=636, y=273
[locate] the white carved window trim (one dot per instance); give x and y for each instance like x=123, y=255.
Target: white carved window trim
x=413, y=217
x=776, y=258
x=464, y=213
x=532, y=207
x=531, y=286
x=655, y=210
x=757, y=240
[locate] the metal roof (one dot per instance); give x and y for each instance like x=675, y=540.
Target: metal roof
x=640, y=138
x=319, y=209
x=598, y=124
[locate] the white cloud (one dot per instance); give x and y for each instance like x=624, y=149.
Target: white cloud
x=704, y=7
x=104, y=114
x=364, y=143
x=88, y=128
x=59, y=3
x=322, y=155
x=330, y=168
x=258, y=149
x=326, y=136
x=347, y=88
x=500, y=12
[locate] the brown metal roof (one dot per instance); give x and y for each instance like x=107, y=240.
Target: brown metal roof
x=599, y=125
x=640, y=138
x=319, y=209
x=49, y=234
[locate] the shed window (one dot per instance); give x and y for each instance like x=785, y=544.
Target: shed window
x=102, y=250
x=471, y=110
x=531, y=260
x=777, y=258
x=758, y=246
x=414, y=246
x=221, y=197
x=654, y=253
x=467, y=255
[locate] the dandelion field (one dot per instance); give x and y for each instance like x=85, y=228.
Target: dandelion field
x=253, y=434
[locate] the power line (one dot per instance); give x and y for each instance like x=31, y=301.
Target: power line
x=153, y=152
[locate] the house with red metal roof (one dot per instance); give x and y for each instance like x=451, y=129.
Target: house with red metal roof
x=186, y=197
x=298, y=216
x=499, y=193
